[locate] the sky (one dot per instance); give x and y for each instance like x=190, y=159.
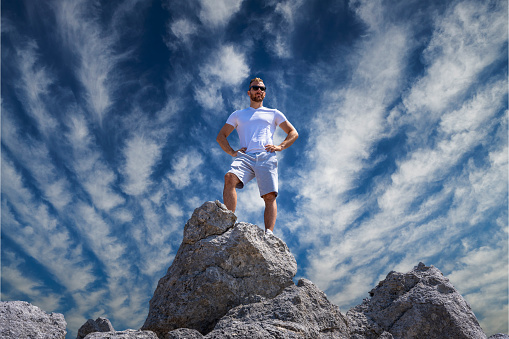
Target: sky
x=110, y=111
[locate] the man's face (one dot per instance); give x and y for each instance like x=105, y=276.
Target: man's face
x=256, y=95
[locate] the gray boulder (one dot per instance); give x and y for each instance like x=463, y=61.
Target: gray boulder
x=499, y=336
x=127, y=334
x=98, y=325
x=183, y=333
x=19, y=319
x=419, y=304
x=219, y=265
x=301, y=311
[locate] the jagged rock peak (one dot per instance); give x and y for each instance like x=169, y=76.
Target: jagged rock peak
x=419, y=304
x=219, y=265
x=212, y=218
x=301, y=311
x=98, y=325
x=19, y=319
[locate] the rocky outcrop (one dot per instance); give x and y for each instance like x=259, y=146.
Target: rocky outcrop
x=229, y=280
x=127, y=334
x=98, y=325
x=219, y=265
x=301, y=311
x=419, y=304
x=19, y=319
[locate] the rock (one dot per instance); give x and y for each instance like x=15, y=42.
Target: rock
x=127, y=334
x=98, y=325
x=19, y=319
x=499, y=336
x=183, y=333
x=301, y=311
x=419, y=304
x=219, y=265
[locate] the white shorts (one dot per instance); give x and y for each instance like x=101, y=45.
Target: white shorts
x=262, y=165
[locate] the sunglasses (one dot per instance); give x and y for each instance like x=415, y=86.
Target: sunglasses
x=257, y=88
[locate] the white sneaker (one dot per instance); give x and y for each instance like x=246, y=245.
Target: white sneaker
x=268, y=232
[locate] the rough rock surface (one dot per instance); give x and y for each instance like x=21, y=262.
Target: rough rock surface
x=219, y=265
x=98, y=325
x=419, y=304
x=127, y=334
x=301, y=311
x=183, y=333
x=19, y=319
x=499, y=336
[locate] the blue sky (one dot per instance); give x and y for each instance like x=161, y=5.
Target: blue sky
x=110, y=111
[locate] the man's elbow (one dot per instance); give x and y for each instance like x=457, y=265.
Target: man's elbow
x=295, y=134
x=220, y=138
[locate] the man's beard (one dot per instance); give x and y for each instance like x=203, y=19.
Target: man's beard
x=257, y=97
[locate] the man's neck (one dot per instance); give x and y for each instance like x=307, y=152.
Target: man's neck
x=256, y=105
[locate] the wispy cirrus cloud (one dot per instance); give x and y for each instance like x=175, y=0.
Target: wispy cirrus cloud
x=225, y=68
x=141, y=154
x=93, y=49
x=280, y=27
x=423, y=202
x=13, y=275
x=185, y=168
x=218, y=12
x=463, y=45
x=32, y=225
x=37, y=159
x=92, y=171
x=348, y=128
x=34, y=82
x=183, y=29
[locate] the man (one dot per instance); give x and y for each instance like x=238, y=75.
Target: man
x=256, y=157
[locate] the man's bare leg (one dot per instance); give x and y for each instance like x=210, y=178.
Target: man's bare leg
x=270, y=214
x=230, y=192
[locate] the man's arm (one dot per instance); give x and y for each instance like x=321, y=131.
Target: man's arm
x=223, y=141
x=291, y=136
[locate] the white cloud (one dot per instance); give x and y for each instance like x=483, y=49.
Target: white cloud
x=481, y=278
x=81, y=32
x=218, y=12
x=34, y=228
x=225, y=67
x=101, y=239
x=141, y=154
x=183, y=29
x=13, y=275
x=280, y=25
x=185, y=168
x=35, y=157
x=438, y=193
x=174, y=210
x=92, y=171
x=466, y=40
x=35, y=81
x=345, y=131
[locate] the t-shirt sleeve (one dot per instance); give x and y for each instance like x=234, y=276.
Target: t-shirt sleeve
x=280, y=117
x=232, y=120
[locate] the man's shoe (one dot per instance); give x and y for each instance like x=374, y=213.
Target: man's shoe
x=268, y=233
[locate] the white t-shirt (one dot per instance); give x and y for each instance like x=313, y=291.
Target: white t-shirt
x=256, y=127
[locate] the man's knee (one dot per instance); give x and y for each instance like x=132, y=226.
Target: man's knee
x=269, y=196
x=231, y=180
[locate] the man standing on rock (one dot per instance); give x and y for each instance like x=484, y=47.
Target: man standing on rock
x=256, y=157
